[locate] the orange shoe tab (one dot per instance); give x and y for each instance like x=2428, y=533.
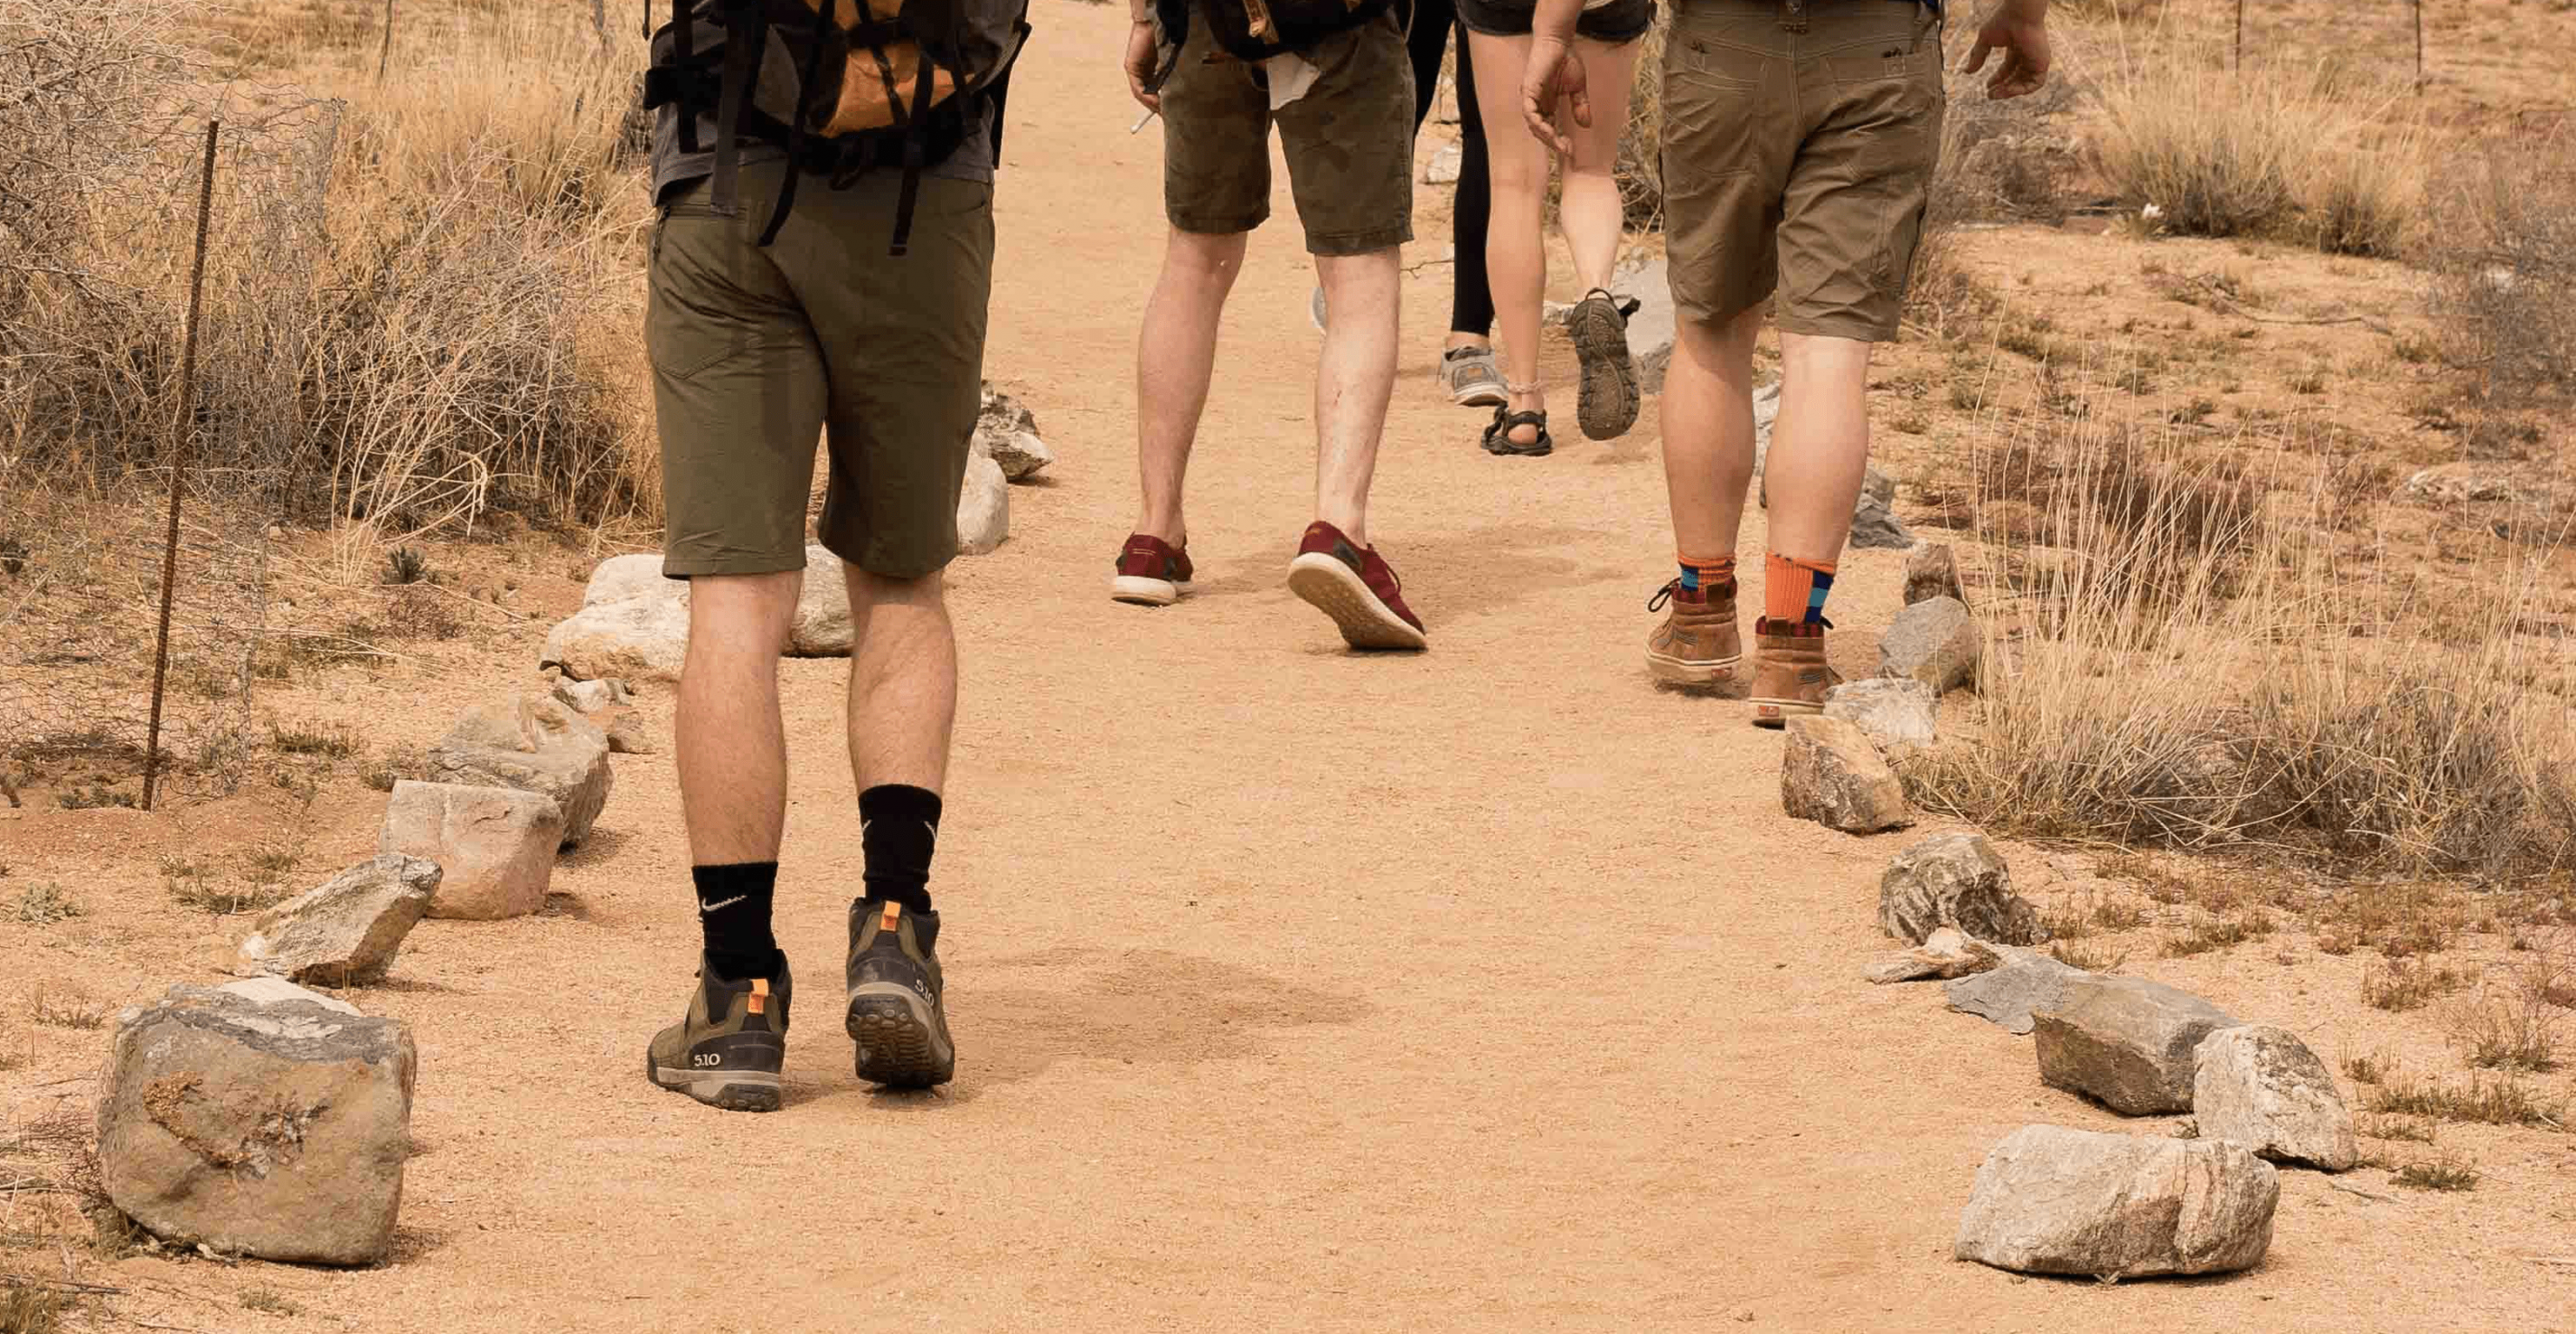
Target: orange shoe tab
x=893, y=911
x=759, y=995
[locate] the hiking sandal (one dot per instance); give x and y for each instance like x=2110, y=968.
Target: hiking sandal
x=1498, y=434
x=1609, y=399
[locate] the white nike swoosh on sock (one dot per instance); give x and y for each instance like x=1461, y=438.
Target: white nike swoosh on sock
x=704, y=906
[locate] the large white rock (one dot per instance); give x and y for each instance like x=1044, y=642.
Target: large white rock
x=1443, y=167
x=1895, y=713
x=2261, y=1087
x=2050, y=1200
x=494, y=845
x=347, y=930
x=983, y=508
x=535, y=745
x=634, y=623
x=273, y=1127
x=1954, y=879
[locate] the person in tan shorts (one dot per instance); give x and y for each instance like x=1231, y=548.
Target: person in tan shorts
x=1799, y=142
x=1348, y=141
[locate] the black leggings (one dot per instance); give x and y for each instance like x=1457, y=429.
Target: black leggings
x=1471, y=300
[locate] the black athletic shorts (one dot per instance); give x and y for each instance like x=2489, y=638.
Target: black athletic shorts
x=1616, y=23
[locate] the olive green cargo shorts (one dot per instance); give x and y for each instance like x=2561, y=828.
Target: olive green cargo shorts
x=1798, y=162
x=757, y=352
x=1348, y=141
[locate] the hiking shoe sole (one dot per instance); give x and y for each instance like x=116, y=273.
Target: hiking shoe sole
x=1336, y=590
x=1480, y=396
x=1146, y=592
x=899, y=1045
x=731, y=1090
x=1684, y=671
x=1608, y=405
x=1778, y=712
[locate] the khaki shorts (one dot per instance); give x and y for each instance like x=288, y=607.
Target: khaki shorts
x=1799, y=161
x=1349, y=141
x=758, y=352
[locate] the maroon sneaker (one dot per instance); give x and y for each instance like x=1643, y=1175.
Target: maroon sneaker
x=1353, y=586
x=1151, y=572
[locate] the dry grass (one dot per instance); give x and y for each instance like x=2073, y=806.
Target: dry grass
x=2504, y=295
x=45, y=904
x=28, y=1306
x=2446, y=1172
x=2218, y=933
x=55, y=1012
x=2482, y=1100
x=2295, y=151
x=2511, y=1027
x=2407, y=985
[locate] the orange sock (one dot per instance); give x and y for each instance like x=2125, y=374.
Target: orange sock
x=1714, y=573
x=1793, y=591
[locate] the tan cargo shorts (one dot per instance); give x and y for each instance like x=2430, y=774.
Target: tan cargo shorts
x=1798, y=162
x=757, y=352
x=1348, y=141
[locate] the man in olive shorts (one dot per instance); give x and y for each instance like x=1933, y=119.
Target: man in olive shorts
x=1799, y=142
x=1348, y=137
x=757, y=351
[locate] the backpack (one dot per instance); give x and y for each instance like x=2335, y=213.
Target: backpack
x=841, y=85
x=1256, y=30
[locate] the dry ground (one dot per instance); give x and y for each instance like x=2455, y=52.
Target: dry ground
x=1477, y=989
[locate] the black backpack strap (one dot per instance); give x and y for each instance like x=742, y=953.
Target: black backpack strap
x=913, y=154
x=746, y=38
x=683, y=46
x=823, y=26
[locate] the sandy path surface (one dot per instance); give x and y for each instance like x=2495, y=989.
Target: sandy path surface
x=1482, y=989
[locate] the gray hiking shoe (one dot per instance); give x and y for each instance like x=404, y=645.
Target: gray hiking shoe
x=1472, y=378
x=895, y=1012
x=1608, y=406
x=728, y=1051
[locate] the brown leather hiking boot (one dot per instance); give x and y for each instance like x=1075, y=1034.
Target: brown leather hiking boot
x=1790, y=676
x=1698, y=643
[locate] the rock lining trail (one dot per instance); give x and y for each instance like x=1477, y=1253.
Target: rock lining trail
x=1488, y=988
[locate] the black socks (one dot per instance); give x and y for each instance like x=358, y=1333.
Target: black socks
x=898, y=829
x=733, y=912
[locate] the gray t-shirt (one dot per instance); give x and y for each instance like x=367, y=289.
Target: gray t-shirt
x=973, y=160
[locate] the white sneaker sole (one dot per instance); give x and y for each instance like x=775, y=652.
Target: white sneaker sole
x=1337, y=591
x=1684, y=671
x=1144, y=592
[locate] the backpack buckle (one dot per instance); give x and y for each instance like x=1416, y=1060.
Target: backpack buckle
x=1793, y=15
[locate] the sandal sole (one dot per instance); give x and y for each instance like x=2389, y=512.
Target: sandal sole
x=1333, y=589
x=1609, y=400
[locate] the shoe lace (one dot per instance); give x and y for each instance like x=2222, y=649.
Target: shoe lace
x=1663, y=595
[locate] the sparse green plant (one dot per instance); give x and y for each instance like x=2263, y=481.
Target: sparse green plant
x=2508, y=1030
x=2447, y=1172
x=2309, y=381
x=2405, y=985
x=191, y=885
x=45, y=904
x=31, y=1308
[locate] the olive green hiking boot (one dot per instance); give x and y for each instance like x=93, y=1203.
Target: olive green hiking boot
x=895, y=1012
x=728, y=1052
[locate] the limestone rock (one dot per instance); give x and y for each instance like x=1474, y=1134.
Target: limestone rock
x=1896, y=714
x=270, y=990
x=347, y=930
x=1946, y=953
x=534, y=745
x=1877, y=485
x=1831, y=774
x=632, y=622
x=2462, y=483
x=822, y=625
x=1935, y=642
x=2261, y=1087
x=2126, y=1042
x=2050, y=1200
x=1932, y=571
x=983, y=508
x=1875, y=527
x=2025, y=982
x=276, y=1129
x=495, y=846
x=630, y=736
x=1007, y=432
x=591, y=696
x=1955, y=879
x=1444, y=165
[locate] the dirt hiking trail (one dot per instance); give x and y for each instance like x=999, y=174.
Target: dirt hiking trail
x=1481, y=989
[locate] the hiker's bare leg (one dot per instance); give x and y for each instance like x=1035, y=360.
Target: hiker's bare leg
x=1589, y=209
x=1354, y=375
x=1708, y=430
x=1820, y=445
x=903, y=680
x=731, y=751
x=1175, y=360
x=1517, y=165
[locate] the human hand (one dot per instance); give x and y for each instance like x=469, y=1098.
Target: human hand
x=1144, y=55
x=2020, y=31
x=1554, y=76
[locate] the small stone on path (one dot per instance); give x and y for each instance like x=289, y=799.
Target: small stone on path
x=1946, y=953
x=1932, y=571
x=495, y=846
x=346, y=931
x=1954, y=879
x=534, y=745
x=2261, y=1087
x=983, y=508
x=629, y=735
x=1875, y=527
x=1831, y=774
x=1936, y=642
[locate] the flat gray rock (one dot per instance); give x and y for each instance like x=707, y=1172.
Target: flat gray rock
x=272, y=1125
x=2126, y=1042
x=1831, y=774
x=2050, y=1200
x=1936, y=642
x=535, y=745
x=1875, y=527
x=347, y=930
x=2027, y=981
x=1946, y=953
x=1954, y=879
x=2261, y=1087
